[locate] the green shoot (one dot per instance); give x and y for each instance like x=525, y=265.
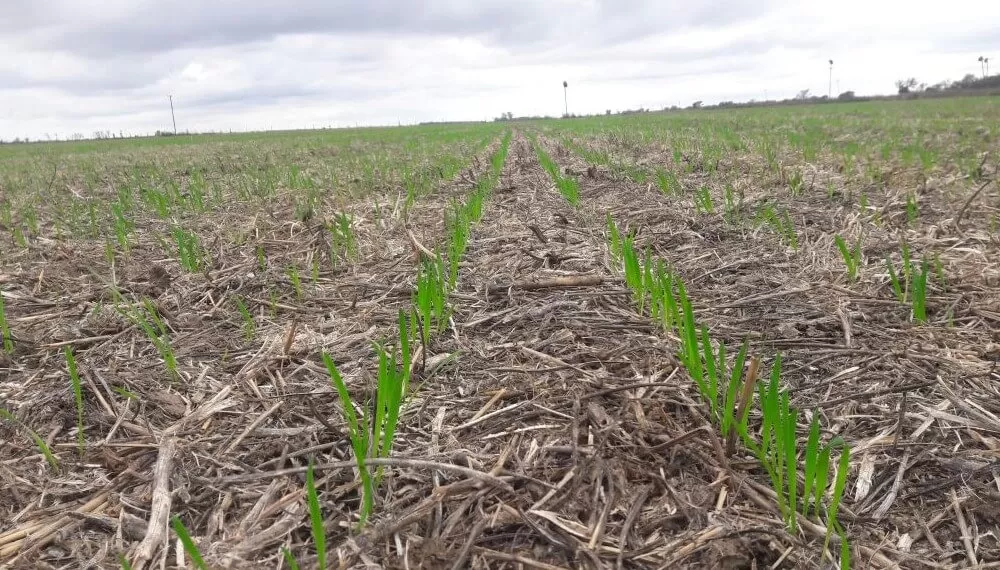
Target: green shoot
x=614, y=239
x=838, y=492
x=359, y=439
x=156, y=331
x=296, y=281
x=43, y=447
x=897, y=287
x=729, y=421
x=343, y=244
x=6, y=339
x=316, y=518
x=920, y=294
x=703, y=200
x=189, y=546
x=912, y=208
x=74, y=378
x=293, y=564
x=667, y=181
x=189, y=250
x=852, y=257
x=249, y=328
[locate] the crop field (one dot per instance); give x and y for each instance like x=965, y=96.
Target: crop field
x=700, y=339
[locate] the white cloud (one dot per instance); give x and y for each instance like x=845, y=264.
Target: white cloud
x=88, y=66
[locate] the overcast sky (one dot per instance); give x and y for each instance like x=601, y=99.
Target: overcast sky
x=82, y=66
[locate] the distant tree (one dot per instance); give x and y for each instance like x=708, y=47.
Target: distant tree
x=906, y=85
x=802, y=95
x=846, y=96
x=696, y=105
x=608, y=112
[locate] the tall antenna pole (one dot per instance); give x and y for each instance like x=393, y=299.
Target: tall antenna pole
x=829, y=87
x=566, y=98
x=172, y=118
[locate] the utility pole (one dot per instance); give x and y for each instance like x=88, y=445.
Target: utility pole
x=172, y=118
x=829, y=87
x=566, y=98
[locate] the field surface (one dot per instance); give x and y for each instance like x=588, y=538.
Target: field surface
x=717, y=339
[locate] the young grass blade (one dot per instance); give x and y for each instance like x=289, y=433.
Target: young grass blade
x=689, y=355
x=43, y=447
x=920, y=294
x=316, y=518
x=74, y=378
x=359, y=438
x=838, y=493
x=189, y=546
x=6, y=340
x=732, y=389
x=849, y=260
x=293, y=564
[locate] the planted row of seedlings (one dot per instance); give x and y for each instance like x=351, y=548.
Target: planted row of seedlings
x=800, y=485
x=909, y=282
x=372, y=427
x=799, y=476
x=567, y=185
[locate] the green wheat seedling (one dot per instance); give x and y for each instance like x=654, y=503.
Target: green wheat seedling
x=780, y=224
x=633, y=272
x=459, y=222
x=296, y=281
x=667, y=181
x=912, y=208
x=899, y=288
x=432, y=297
x=343, y=243
x=570, y=189
x=249, y=328
x=731, y=204
x=777, y=451
x=77, y=386
x=315, y=519
x=189, y=250
x=123, y=226
x=393, y=379
x=190, y=548
x=851, y=256
x=920, y=294
x=614, y=239
x=196, y=191
x=663, y=304
x=728, y=422
x=703, y=201
x=156, y=332
x=359, y=437
x=832, y=522
x=690, y=354
x=6, y=339
x=796, y=183
x=43, y=447
x=293, y=564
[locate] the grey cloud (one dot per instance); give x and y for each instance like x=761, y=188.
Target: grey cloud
x=164, y=26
